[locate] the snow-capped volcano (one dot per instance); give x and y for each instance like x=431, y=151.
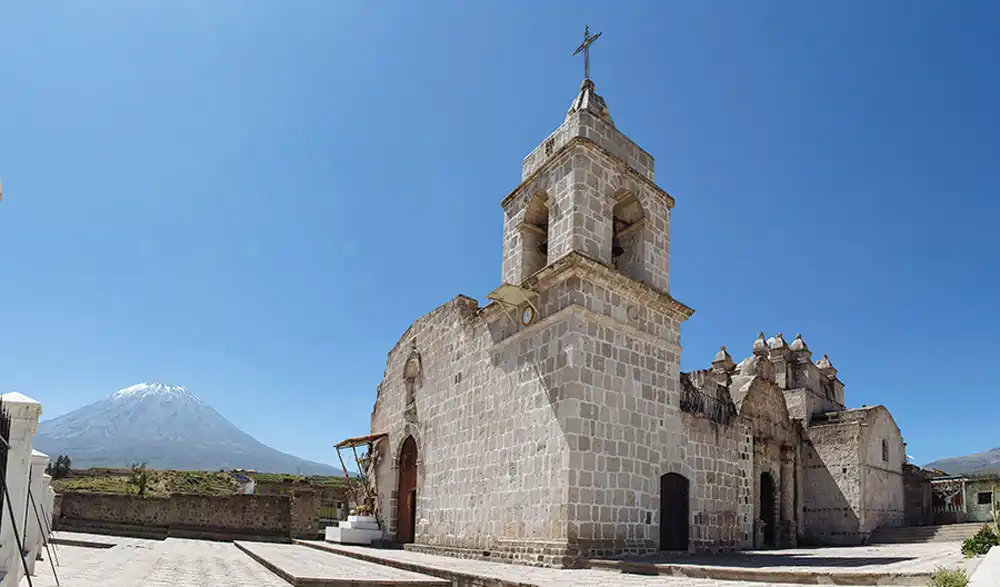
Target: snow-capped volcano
x=143, y=389
x=166, y=426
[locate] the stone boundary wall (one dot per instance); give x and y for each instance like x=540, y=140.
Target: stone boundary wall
x=292, y=515
x=56, y=511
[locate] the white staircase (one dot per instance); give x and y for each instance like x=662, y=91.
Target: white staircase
x=356, y=530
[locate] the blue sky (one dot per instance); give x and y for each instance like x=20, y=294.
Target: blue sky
x=255, y=198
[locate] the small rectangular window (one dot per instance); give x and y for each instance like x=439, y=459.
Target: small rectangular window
x=985, y=497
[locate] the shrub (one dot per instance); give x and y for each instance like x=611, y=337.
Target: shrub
x=949, y=578
x=981, y=542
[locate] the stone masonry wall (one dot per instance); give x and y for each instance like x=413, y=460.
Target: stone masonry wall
x=620, y=412
x=721, y=508
x=619, y=408
x=882, y=482
x=303, y=518
x=629, y=357
x=238, y=513
x=543, y=439
x=492, y=463
x=56, y=511
x=832, y=479
x=586, y=125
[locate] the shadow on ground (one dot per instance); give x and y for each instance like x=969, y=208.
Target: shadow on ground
x=758, y=560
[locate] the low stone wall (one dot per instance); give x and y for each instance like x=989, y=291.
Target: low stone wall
x=56, y=511
x=290, y=515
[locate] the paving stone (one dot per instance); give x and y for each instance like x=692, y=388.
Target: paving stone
x=530, y=576
x=193, y=563
x=296, y=563
x=152, y=563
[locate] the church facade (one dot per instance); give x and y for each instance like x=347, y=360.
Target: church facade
x=554, y=422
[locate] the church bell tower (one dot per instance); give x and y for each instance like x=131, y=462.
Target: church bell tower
x=587, y=188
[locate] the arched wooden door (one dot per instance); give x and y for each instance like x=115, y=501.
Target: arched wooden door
x=406, y=508
x=674, y=512
x=767, y=509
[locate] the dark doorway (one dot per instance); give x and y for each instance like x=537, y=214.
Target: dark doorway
x=767, y=508
x=406, y=509
x=674, y=519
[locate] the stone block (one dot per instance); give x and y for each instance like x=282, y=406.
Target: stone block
x=344, y=535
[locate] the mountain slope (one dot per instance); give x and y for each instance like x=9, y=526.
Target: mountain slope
x=974, y=463
x=166, y=426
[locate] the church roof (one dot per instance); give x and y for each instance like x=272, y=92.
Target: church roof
x=588, y=100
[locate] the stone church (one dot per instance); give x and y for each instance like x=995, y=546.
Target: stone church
x=554, y=422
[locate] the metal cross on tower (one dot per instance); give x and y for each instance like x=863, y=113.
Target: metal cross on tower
x=585, y=47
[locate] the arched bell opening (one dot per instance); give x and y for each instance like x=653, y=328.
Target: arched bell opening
x=535, y=235
x=628, y=221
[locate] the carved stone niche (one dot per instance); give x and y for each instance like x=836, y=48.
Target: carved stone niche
x=411, y=382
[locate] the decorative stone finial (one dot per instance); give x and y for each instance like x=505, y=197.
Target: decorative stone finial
x=588, y=100
x=722, y=360
x=778, y=342
x=760, y=345
x=798, y=344
x=826, y=367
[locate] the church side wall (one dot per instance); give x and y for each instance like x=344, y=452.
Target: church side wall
x=832, y=479
x=618, y=407
x=882, y=480
x=624, y=408
x=722, y=491
x=492, y=461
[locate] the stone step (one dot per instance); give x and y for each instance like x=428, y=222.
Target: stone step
x=113, y=529
x=163, y=532
x=221, y=535
x=302, y=566
x=83, y=540
x=918, y=534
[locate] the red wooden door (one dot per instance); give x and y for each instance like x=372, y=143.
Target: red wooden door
x=407, y=501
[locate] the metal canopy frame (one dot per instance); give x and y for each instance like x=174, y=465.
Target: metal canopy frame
x=353, y=443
